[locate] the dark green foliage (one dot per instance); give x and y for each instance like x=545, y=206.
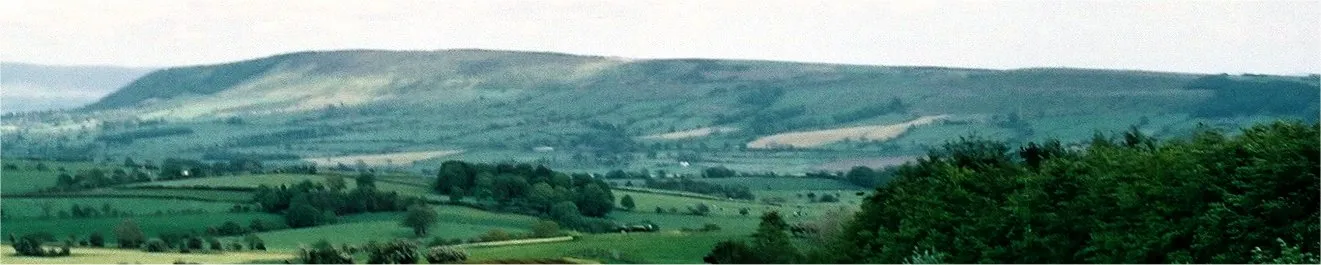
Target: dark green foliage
x=393, y=252
x=307, y=203
x=129, y=235
x=545, y=228
x=627, y=203
x=214, y=244
x=718, y=172
x=420, y=218
x=684, y=184
x=192, y=244
x=130, y=136
x=565, y=213
x=524, y=188
x=254, y=242
x=1211, y=198
x=1238, y=96
x=155, y=245
x=732, y=252
x=770, y=245
x=303, y=215
x=96, y=240
x=446, y=255
x=31, y=245
x=322, y=252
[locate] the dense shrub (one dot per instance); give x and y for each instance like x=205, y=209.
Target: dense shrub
x=1209, y=198
x=393, y=252
x=446, y=255
x=323, y=253
x=155, y=245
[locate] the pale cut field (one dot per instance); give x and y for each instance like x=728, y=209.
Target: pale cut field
x=402, y=158
x=699, y=132
x=823, y=137
x=125, y=256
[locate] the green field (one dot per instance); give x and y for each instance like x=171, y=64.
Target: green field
x=151, y=225
x=661, y=247
x=200, y=194
x=275, y=180
x=34, y=207
x=454, y=222
x=756, y=183
x=28, y=179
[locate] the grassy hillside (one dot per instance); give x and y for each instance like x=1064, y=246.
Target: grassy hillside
x=590, y=113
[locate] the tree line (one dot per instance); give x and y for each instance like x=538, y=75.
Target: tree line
x=310, y=203
x=523, y=188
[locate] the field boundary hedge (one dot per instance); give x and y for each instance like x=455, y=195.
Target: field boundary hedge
x=120, y=196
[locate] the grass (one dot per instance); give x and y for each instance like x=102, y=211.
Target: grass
x=33, y=207
x=662, y=247
x=151, y=225
x=454, y=222
x=754, y=183
x=28, y=179
x=275, y=180
x=234, y=196
x=123, y=256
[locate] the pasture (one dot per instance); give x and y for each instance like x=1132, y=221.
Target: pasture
x=453, y=222
x=782, y=183
x=671, y=247
x=151, y=225
x=50, y=207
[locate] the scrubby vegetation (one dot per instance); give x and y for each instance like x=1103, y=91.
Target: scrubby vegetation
x=1208, y=198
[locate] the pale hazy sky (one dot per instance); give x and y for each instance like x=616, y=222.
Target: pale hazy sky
x=1186, y=36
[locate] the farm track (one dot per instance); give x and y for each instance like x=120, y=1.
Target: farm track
x=517, y=242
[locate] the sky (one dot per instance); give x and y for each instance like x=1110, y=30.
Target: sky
x=1273, y=37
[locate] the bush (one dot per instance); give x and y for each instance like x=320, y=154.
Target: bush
x=235, y=246
x=545, y=228
x=215, y=244
x=155, y=245
x=444, y=255
x=96, y=240
x=323, y=253
x=394, y=252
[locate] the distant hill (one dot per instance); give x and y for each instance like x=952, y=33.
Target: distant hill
x=594, y=112
x=33, y=87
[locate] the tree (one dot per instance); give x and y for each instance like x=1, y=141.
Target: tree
x=214, y=244
x=771, y=240
x=862, y=176
x=545, y=228
x=446, y=255
x=565, y=213
x=336, y=183
x=594, y=201
x=302, y=215
x=96, y=240
x=732, y=252
x=254, y=242
x=366, y=180
x=627, y=202
x=420, y=218
x=129, y=235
